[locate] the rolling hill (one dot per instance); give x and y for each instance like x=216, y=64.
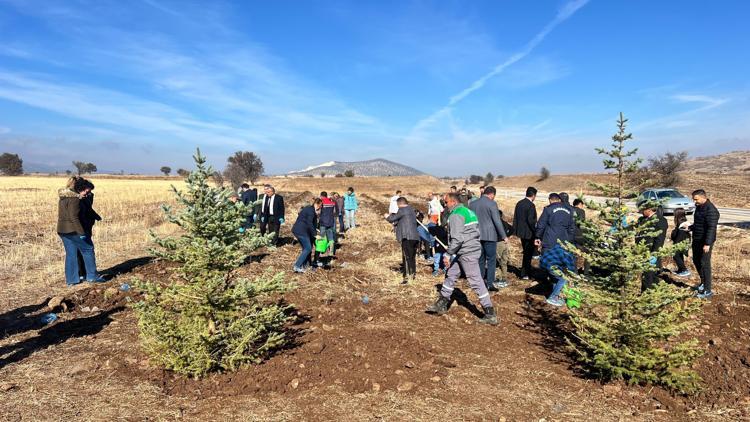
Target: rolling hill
x=376, y=167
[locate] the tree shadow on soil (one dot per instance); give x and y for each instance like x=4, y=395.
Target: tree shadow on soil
x=293, y=332
x=553, y=330
x=56, y=334
x=21, y=319
x=548, y=324
x=126, y=267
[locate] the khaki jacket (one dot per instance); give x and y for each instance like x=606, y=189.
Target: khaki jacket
x=67, y=213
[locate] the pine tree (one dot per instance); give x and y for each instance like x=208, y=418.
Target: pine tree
x=206, y=318
x=619, y=331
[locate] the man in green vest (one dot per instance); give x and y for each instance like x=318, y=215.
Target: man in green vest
x=463, y=253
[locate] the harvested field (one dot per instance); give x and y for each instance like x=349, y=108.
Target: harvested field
x=352, y=359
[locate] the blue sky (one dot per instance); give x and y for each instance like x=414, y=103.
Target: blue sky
x=449, y=87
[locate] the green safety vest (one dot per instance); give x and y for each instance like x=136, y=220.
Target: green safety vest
x=470, y=217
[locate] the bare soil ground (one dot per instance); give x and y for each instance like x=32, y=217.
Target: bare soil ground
x=351, y=360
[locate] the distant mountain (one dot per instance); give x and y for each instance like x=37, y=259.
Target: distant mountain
x=730, y=162
x=43, y=168
x=376, y=167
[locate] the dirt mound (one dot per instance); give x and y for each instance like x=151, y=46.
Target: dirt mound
x=725, y=367
x=344, y=346
x=299, y=200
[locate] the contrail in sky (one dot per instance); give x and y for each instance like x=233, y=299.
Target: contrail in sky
x=567, y=11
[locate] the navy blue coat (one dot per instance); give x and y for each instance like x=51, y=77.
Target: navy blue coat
x=306, y=223
x=556, y=223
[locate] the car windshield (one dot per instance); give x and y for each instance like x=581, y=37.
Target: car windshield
x=666, y=194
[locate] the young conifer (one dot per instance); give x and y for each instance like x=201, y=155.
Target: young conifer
x=206, y=318
x=621, y=332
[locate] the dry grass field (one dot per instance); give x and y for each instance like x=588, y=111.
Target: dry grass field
x=384, y=360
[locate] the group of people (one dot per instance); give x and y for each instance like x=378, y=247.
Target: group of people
x=75, y=224
x=463, y=234
x=319, y=221
x=474, y=241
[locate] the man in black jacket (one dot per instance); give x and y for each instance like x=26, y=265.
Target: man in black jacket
x=272, y=213
x=524, y=223
x=658, y=224
x=405, y=220
x=579, y=207
x=248, y=197
x=705, y=220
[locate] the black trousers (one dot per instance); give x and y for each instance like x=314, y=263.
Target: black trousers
x=650, y=278
x=679, y=259
x=702, y=261
x=409, y=257
x=529, y=248
x=270, y=225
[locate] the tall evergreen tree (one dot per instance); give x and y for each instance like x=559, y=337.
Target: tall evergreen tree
x=619, y=331
x=206, y=318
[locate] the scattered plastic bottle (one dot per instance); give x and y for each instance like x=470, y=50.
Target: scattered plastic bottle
x=125, y=287
x=365, y=299
x=49, y=318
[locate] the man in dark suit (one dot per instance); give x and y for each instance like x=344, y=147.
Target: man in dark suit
x=405, y=220
x=659, y=224
x=248, y=197
x=272, y=213
x=491, y=231
x=524, y=223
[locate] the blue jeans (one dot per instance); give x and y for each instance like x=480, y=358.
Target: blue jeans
x=425, y=235
x=349, y=220
x=488, y=261
x=438, y=257
x=73, y=244
x=304, y=257
x=341, y=222
x=559, y=284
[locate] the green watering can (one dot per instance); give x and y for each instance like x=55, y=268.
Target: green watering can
x=572, y=297
x=321, y=245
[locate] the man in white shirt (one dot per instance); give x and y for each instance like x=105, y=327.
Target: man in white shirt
x=393, y=207
x=272, y=213
x=435, y=208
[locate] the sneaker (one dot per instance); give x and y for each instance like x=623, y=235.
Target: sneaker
x=685, y=273
x=699, y=288
x=81, y=278
x=705, y=295
x=524, y=277
x=319, y=264
x=555, y=301
x=299, y=270
x=404, y=281
x=436, y=273
x=492, y=288
x=429, y=261
x=98, y=279
x=536, y=257
x=70, y=286
x=501, y=284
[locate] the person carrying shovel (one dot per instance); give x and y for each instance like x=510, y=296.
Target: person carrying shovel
x=463, y=253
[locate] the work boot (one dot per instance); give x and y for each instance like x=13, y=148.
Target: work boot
x=440, y=307
x=489, y=317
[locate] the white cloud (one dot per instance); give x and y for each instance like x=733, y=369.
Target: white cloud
x=4, y=130
x=709, y=102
